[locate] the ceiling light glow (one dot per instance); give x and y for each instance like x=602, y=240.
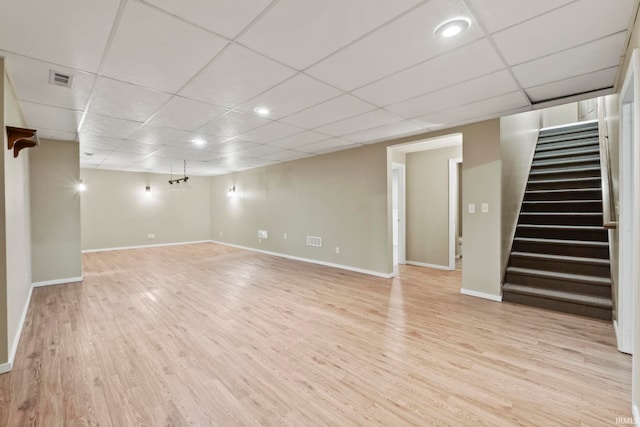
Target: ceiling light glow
x=262, y=111
x=199, y=141
x=452, y=27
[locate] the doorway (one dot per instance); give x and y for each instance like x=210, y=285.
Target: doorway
x=398, y=216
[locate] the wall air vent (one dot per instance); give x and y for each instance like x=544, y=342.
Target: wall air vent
x=314, y=241
x=60, y=79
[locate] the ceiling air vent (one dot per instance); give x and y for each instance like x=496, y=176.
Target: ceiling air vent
x=60, y=79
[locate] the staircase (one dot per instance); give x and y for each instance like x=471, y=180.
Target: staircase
x=560, y=254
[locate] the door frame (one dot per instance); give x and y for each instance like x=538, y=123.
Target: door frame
x=453, y=209
x=402, y=215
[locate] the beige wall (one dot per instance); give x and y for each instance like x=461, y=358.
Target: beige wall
x=15, y=283
x=427, y=201
x=341, y=197
x=560, y=115
x=116, y=211
x=54, y=172
x=518, y=139
x=481, y=183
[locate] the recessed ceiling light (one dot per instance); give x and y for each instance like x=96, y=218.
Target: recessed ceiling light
x=452, y=27
x=262, y=111
x=199, y=141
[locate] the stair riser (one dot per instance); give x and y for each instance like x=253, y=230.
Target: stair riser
x=565, y=307
x=567, y=153
x=564, y=195
x=564, y=234
x=577, y=144
x=560, y=267
x=560, y=185
x=554, y=249
x=545, y=139
x=563, y=175
x=551, y=219
x=568, y=130
x=591, y=207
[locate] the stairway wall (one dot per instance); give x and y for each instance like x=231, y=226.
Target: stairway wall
x=518, y=139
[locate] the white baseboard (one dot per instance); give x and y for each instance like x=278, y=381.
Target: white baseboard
x=122, y=248
x=424, y=264
x=309, y=260
x=635, y=411
x=6, y=367
x=477, y=294
x=58, y=281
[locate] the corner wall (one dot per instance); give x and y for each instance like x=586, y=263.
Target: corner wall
x=54, y=172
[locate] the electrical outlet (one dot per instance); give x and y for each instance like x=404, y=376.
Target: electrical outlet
x=221, y=234
x=259, y=241
x=337, y=250
x=151, y=236
x=285, y=236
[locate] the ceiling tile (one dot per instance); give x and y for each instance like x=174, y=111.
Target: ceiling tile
x=551, y=32
x=262, y=151
x=31, y=78
x=100, y=142
x=107, y=126
x=129, y=146
x=297, y=93
x=125, y=101
x=225, y=17
x=185, y=114
x=298, y=140
x=231, y=146
x=401, y=44
x=236, y=75
x=57, y=134
x=285, y=155
x=181, y=154
x=359, y=123
x=123, y=157
x=149, y=49
x=54, y=34
x=316, y=29
x=94, y=156
x=500, y=105
x=270, y=132
x=339, y=108
x=387, y=131
x=53, y=118
x=156, y=135
x=603, y=53
x=333, y=144
x=499, y=14
x=580, y=84
x=474, y=90
x=232, y=124
x=190, y=140
x=477, y=59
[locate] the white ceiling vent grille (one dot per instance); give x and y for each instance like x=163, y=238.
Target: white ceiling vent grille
x=60, y=79
x=314, y=241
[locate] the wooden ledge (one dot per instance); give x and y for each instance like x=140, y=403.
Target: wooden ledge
x=19, y=138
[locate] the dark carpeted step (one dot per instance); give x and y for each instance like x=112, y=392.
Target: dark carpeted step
x=544, y=183
x=549, y=266
x=561, y=218
x=580, y=248
x=593, y=193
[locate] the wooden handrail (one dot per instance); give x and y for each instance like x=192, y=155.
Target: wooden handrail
x=608, y=208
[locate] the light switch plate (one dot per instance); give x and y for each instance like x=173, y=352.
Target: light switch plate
x=472, y=208
x=485, y=208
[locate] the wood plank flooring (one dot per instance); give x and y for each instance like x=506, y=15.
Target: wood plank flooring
x=210, y=335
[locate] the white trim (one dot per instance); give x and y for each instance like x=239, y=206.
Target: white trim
x=424, y=264
x=635, y=411
x=309, y=260
x=6, y=367
x=570, y=124
x=58, y=281
x=453, y=209
x=497, y=298
x=402, y=211
x=122, y=248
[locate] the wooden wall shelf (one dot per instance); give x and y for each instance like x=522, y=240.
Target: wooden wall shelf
x=19, y=138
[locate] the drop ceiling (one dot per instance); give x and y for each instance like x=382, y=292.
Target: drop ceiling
x=151, y=77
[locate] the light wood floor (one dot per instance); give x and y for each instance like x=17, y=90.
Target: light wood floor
x=209, y=335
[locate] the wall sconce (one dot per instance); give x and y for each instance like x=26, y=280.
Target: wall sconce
x=81, y=186
x=147, y=189
x=232, y=191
